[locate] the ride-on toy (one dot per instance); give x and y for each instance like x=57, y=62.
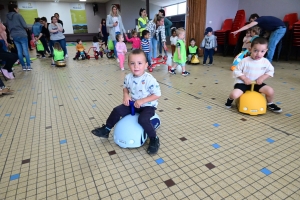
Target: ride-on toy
x=195, y=60
x=252, y=102
x=110, y=49
x=60, y=63
x=95, y=53
x=129, y=133
x=158, y=61
x=238, y=59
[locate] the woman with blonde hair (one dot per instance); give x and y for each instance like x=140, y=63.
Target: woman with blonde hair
x=114, y=26
x=156, y=27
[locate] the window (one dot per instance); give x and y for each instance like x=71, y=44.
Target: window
x=176, y=9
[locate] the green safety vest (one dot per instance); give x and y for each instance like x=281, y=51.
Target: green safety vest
x=58, y=55
x=144, y=21
x=40, y=46
x=110, y=44
x=182, y=53
x=192, y=49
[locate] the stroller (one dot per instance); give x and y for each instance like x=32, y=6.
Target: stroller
x=110, y=49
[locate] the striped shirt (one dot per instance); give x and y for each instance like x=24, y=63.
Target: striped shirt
x=145, y=44
x=154, y=31
x=253, y=69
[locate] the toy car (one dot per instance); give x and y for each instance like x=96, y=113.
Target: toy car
x=238, y=59
x=95, y=53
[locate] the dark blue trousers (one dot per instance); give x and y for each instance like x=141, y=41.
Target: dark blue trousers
x=210, y=53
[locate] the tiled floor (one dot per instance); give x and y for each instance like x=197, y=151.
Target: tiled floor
x=206, y=152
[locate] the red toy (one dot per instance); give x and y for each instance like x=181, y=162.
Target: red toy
x=158, y=61
x=95, y=55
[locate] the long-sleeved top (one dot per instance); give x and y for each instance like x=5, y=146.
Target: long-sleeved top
x=154, y=32
x=36, y=28
x=79, y=47
x=253, y=69
x=121, y=47
x=16, y=25
x=136, y=42
x=168, y=25
x=173, y=40
x=209, y=42
x=247, y=42
x=110, y=26
x=145, y=44
x=3, y=35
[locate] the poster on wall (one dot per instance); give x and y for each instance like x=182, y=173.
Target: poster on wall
x=78, y=16
x=28, y=11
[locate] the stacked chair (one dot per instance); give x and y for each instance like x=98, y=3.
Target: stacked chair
x=238, y=22
x=295, y=32
x=222, y=35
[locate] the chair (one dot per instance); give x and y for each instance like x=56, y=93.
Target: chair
x=291, y=18
x=238, y=22
x=222, y=35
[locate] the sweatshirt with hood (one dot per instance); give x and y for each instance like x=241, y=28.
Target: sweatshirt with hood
x=16, y=25
x=209, y=42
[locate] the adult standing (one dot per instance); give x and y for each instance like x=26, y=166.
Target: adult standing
x=37, y=29
x=115, y=26
x=16, y=26
x=155, y=27
x=268, y=23
x=62, y=24
x=56, y=35
x=103, y=31
x=46, y=33
x=142, y=20
x=3, y=37
x=168, y=25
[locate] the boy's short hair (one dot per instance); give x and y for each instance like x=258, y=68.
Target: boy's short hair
x=259, y=40
x=255, y=15
x=192, y=39
x=145, y=32
x=179, y=30
x=78, y=40
x=137, y=52
x=256, y=30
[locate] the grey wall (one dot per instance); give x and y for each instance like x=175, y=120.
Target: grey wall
x=276, y=8
x=217, y=11
x=93, y=21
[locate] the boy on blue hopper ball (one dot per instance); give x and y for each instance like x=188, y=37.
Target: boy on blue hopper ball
x=141, y=87
x=254, y=68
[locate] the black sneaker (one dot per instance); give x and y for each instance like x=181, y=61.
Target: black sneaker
x=228, y=103
x=172, y=71
x=153, y=145
x=273, y=107
x=185, y=73
x=101, y=132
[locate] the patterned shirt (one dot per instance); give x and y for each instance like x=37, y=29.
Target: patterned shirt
x=151, y=27
x=145, y=45
x=141, y=87
x=253, y=69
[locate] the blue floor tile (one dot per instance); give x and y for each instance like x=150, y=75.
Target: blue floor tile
x=7, y=115
x=278, y=103
x=288, y=115
x=159, y=161
x=266, y=171
x=216, y=146
x=0, y=135
x=94, y=106
x=199, y=93
x=32, y=117
x=216, y=125
x=33, y=102
x=14, y=177
x=178, y=92
x=55, y=97
x=208, y=107
x=270, y=140
x=292, y=88
x=63, y=141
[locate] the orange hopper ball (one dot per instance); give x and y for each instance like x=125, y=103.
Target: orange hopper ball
x=232, y=68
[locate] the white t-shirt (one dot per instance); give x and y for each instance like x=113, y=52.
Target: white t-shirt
x=173, y=40
x=96, y=45
x=142, y=87
x=117, y=28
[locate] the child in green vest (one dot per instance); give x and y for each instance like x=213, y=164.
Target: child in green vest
x=58, y=53
x=192, y=50
x=39, y=46
x=179, y=57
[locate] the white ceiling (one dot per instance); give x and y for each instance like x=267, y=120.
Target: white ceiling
x=161, y=3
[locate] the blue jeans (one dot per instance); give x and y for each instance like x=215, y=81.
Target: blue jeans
x=62, y=43
x=275, y=37
x=148, y=56
x=115, y=42
x=210, y=53
x=153, y=47
x=22, y=47
x=4, y=47
x=160, y=44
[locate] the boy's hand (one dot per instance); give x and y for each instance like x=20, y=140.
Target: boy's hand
x=216, y=49
x=259, y=81
x=247, y=81
x=138, y=103
x=126, y=100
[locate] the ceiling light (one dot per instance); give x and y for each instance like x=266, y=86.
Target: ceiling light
x=82, y=0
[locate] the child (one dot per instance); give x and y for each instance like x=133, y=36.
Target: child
x=246, y=41
x=255, y=31
x=180, y=53
x=192, y=50
x=121, y=50
x=173, y=40
x=79, y=49
x=141, y=87
x=39, y=46
x=145, y=44
x=254, y=68
x=96, y=45
x=209, y=43
x=58, y=53
x=135, y=40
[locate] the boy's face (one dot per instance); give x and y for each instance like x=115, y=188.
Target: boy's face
x=181, y=35
x=147, y=36
x=252, y=33
x=258, y=51
x=192, y=43
x=209, y=33
x=80, y=42
x=248, y=34
x=137, y=64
